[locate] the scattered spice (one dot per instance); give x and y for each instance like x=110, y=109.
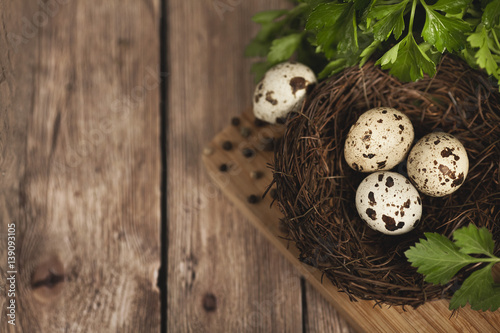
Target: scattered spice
x=227, y=145
x=235, y=121
x=223, y=167
x=256, y=174
x=253, y=199
x=248, y=152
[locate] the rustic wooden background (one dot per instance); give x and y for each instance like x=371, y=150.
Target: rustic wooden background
x=223, y=276
x=87, y=130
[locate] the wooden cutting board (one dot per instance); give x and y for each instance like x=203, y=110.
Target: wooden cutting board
x=238, y=160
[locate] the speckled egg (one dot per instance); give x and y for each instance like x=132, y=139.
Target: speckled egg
x=388, y=203
x=281, y=91
x=379, y=140
x=438, y=164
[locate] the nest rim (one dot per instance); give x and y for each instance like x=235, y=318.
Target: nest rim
x=316, y=187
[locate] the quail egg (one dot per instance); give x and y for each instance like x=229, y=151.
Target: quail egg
x=281, y=91
x=438, y=164
x=379, y=140
x=388, y=203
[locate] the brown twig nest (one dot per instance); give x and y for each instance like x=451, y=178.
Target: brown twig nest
x=316, y=188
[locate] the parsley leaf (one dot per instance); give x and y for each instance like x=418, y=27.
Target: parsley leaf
x=335, y=28
x=439, y=259
x=484, y=56
x=390, y=19
x=268, y=16
x=476, y=290
x=368, y=51
x=329, y=35
x=451, y=6
x=442, y=31
x=332, y=67
x=491, y=14
x=472, y=240
x=407, y=61
x=283, y=48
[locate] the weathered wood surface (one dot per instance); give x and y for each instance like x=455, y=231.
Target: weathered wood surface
x=223, y=275
x=80, y=164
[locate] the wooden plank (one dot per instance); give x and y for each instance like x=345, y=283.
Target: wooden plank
x=364, y=316
x=223, y=276
x=321, y=315
x=79, y=108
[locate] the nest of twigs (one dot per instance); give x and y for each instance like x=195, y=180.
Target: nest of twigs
x=316, y=188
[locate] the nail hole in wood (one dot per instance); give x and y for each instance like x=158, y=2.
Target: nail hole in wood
x=209, y=302
x=48, y=279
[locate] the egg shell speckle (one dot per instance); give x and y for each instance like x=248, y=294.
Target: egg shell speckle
x=388, y=203
x=438, y=164
x=379, y=140
x=281, y=91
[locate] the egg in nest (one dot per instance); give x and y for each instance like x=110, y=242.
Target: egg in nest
x=388, y=203
x=438, y=164
x=379, y=140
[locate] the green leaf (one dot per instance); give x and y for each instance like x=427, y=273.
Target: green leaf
x=325, y=16
x=335, y=28
x=477, y=290
x=283, y=48
x=451, y=6
x=437, y=258
x=332, y=67
x=440, y=259
x=257, y=49
x=268, y=16
x=368, y=52
x=444, y=32
x=490, y=302
x=484, y=57
x=390, y=19
x=407, y=61
x=491, y=14
x=472, y=240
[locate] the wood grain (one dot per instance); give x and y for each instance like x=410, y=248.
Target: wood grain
x=215, y=256
x=321, y=315
x=364, y=316
x=79, y=108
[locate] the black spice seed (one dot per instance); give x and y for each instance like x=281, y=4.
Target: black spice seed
x=245, y=132
x=247, y=152
x=235, y=121
x=274, y=194
x=253, y=199
x=223, y=168
x=227, y=145
x=259, y=123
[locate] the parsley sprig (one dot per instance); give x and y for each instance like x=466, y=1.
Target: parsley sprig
x=440, y=259
x=405, y=37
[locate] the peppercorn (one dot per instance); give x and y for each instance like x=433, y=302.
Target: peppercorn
x=227, y=145
x=247, y=152
x=235, y=121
